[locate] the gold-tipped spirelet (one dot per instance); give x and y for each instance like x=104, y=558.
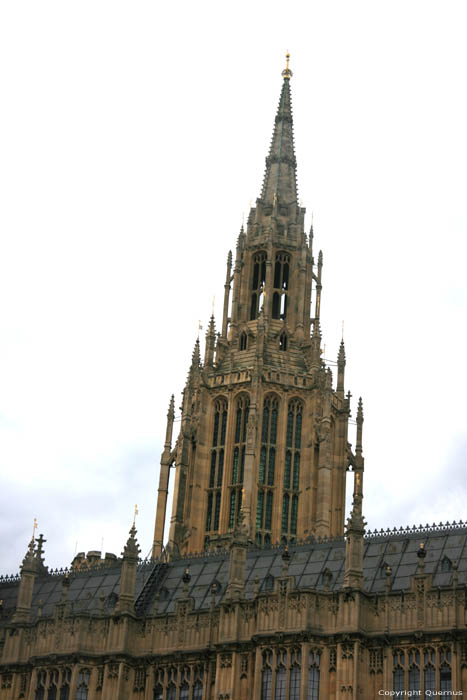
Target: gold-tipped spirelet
x=287, y=73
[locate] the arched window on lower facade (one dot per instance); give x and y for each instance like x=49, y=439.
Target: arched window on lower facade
x=266, y=675
x=295, y=674
x=216, y=471
x=198, y=677
x=445, y=669
x=314, y=657
x=65, y=684
x=281, y=679
x=53, y=685
x=40, y=686
x=82, y=685
x=291, y=486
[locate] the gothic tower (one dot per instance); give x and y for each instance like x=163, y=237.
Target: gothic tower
x=262, y=428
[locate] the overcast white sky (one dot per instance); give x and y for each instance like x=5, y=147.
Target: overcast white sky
x=132, y=139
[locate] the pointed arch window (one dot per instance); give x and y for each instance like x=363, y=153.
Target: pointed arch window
x=414, y=669
x=40, y=688
x=242, y=408
x=266, y=675
x=295, y=674
x=258, y=284
x=65, y=686
x=198, y=683
x=267, y=467
x=445, y=669
x=313, y=674
x=216, y=470
x=283, y=340
x=281, y=285
x=243, y=342
x=291, y=486
x=53, y=685
x=82, y=688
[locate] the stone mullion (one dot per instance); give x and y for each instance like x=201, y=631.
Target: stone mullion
x=437, y=666
x=269, y=282
x=258, y=673
x=204, y=478
x=279, y=471
x=245, y=276
x=387, y=670
x=273, y=674
x=338, y=506
x=324, y=673
x=32, y=684
x=228, y=456
x=73, y=679
x=454, y=660
x=288, y=670
x=304, y=670
x=150, y=684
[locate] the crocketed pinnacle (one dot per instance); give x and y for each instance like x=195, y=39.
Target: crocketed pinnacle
x=280, y=177
x=131, y=549
x=195, y=358
x=341, y=355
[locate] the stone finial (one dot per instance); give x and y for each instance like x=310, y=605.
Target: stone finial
x=421, y=554
x=186, y=578
x=126, y=600
x=131, y=550
x=341, y=369
x=285, y=561
x=287, y=73
x=388, y=574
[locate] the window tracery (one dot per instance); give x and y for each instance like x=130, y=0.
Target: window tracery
x=216, y=473
x=266, y=471
x=417, y=669
x=292, y=468
x=238, y=458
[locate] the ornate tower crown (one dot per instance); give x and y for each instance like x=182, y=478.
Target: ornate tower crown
x=263, y=437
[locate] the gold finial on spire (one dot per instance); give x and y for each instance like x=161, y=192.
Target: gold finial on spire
x=135, y=514
x=34, y=528
x=287, y=73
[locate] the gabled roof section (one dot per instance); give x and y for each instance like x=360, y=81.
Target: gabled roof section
x=280, y=177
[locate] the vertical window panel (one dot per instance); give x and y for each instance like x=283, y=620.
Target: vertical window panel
x=268, y=520
x=281, y=679
x=266, y=684
x=288, y=461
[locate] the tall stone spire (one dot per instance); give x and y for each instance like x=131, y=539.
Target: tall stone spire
x=280, y=177
x=263, y=420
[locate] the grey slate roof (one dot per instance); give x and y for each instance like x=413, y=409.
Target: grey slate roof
x=89, y=590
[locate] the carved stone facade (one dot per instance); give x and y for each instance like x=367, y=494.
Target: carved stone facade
x=259, y=594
